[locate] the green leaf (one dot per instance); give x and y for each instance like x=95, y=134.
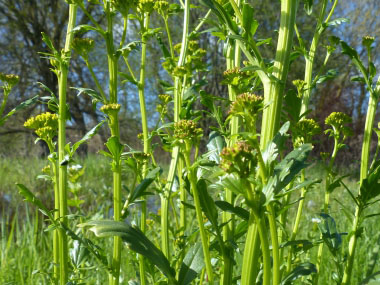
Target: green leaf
x=330, y=234
x=370, y=187
x=337, y=21
x=271, y=151
x=30, y=197
x=135, y=240
x=21, y=106
x=286, y=170
x=96, y=97
x=303, y=269
x=85, y=28
x=86, y=137
x=230, y=182
x=192, y=265
x=330, y=74
x=224, y=17
x=48, y=42
x=227, y=207
x=207, y=203
x=215, y=145
x=140, y=189
x=115, y=147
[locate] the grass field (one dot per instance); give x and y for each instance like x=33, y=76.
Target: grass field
x=24, y=234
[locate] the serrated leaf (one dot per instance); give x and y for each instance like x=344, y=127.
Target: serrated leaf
x=192, y=265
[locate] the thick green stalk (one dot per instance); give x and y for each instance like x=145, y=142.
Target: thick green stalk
x=62, y=172
x=233, y=60
x=198, y=210
x=251, y=253
x=371, y=112
x=273, y=91
x=114, y=128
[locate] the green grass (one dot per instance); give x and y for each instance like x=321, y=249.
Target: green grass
x=25, y=243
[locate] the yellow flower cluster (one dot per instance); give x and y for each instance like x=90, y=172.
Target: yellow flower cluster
x=45, y=125
x=109, y=108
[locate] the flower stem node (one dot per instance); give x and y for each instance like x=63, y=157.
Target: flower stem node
x=123, y=6
x=300, y=85
x=247, y=106
x=240, y=159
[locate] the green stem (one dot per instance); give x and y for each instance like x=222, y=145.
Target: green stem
x=371, y=113
x=233, y=60
x=169, y=37
x=273, y=92
x=114, y=128
x=310, y=60
x=251, y=253
x=261, y=228
x=197, y=204
x=144, y=122
x=325, y=207
x=56, y=217
x=100, y=89
x=296, y=223
x=62, y=172
x=5, y=99
x=275, y=246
